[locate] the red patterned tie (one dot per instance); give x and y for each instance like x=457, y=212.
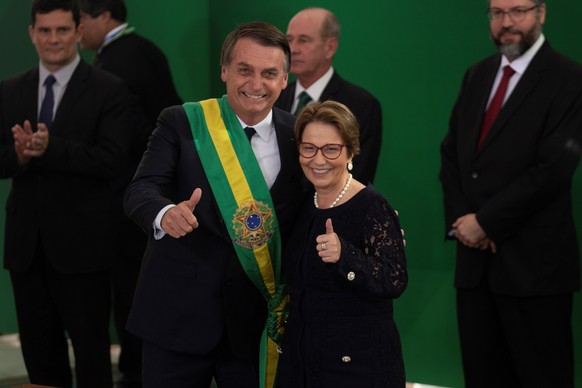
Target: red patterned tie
x=495, y=105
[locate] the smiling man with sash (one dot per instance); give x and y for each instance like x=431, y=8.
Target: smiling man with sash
x=217, y=191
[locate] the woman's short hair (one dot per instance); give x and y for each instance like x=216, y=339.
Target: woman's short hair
x=333, y=113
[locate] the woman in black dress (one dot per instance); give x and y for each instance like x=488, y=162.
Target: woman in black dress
x=344, y=265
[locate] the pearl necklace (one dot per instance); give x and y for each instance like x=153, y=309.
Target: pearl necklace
x=339, y=197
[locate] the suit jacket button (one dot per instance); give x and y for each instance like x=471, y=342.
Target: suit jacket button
x=474, y=175
x=346, y=359
x=351, y=276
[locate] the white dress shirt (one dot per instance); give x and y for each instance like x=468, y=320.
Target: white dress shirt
x=315, y=91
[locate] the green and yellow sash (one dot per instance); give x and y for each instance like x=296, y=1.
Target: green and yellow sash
x=126, y=31
x=245, y=203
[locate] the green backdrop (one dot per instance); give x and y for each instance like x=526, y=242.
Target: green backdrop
x=411, y=55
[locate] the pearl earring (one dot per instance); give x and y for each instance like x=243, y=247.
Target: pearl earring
x=350, y=166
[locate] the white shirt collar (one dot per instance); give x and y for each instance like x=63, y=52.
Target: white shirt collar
x=63, y=75
x=520, y=64
x=317, y=88
x=113, y=33
x=264, y=128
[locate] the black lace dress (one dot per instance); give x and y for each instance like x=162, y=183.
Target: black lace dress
x=340, y=331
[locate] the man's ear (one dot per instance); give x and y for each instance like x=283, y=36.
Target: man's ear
x=80, y=32
x=331, y=47
x=223, y=73
x=542, y=13
x=105, y=16
x=31, y=33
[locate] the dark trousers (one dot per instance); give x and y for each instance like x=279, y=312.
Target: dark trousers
x=50, y=305
x=511, y=341
x=124, y=275
x=166, y=368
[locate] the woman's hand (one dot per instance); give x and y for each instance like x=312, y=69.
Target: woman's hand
x=328, y=245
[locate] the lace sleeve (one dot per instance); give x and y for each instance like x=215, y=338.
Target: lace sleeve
x=377, y=267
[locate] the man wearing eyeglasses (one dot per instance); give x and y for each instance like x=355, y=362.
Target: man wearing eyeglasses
x=507, y=164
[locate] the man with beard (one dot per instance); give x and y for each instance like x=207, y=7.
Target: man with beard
x=507, y=165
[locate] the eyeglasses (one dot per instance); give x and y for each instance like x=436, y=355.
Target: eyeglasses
x=329, y=151
x=515, y=14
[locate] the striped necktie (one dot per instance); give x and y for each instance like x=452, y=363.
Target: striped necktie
x=304, y=99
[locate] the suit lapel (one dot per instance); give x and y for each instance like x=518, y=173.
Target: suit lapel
x=482, y=99
x=286, y=146
x=30, y=97
x=75, y=87
x=287, y=96
x=525, y=85
x=332, y=87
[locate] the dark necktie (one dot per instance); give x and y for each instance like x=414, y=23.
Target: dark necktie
x=304, y=99
x=48, y=103
x=250, y=131
x=495, y=105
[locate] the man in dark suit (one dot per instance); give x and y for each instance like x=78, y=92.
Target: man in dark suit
x=145, y=70
x=210, y=204
x=313, y=36
x=131, y=57
x=507, y=165
x=62, y=165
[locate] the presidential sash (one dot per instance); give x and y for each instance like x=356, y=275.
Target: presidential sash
x=245, y=203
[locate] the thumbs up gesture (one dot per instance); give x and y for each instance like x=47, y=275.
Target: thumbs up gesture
x=328, y=245
x=180, y=220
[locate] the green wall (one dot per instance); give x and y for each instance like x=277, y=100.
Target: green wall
x=411, y=55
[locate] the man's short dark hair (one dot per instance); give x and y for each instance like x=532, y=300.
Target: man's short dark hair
x=47, y=6
x=97, y=7
x=262, y=33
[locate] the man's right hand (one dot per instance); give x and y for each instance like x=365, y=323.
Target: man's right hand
x=22, y=137
x=180, y=220
x=468, y=231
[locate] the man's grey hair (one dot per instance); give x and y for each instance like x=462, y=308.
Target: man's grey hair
x=536, y=2
x=331, y=28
